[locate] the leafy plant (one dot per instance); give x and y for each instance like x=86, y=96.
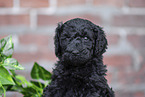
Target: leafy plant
x=10, y=81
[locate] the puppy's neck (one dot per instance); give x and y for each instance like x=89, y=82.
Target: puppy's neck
x=72, y=65
x=94, y=65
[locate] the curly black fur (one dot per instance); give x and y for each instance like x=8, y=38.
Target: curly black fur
x=79, y=45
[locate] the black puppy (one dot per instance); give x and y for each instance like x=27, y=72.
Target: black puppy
x=79, y=45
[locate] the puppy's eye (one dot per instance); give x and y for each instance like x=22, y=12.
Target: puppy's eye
x=86, y=38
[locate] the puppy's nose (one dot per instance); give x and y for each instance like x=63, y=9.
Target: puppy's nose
x=76, y=52
x=77, y=44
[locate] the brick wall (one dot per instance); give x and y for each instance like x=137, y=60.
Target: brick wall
x=32, y=24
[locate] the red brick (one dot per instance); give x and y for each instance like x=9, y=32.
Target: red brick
x=123, y=93
x=112, y=39
x=42, y=54
x=40, y=40
x=6, y=3
x=139, y=94
x=71, y=2
x=137, y=41
x=118, y=61
x=44, y=20
x=116, y=3
x=34, y=3
x=136, y=3
x=138, y=77
x=14, y=20
x=132, y=77
x=129, y=20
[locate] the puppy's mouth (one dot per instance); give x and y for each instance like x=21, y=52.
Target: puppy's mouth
x=78, y=53
x=76, y=57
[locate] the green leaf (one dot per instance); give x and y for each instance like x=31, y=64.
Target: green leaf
x=28, y=89
x=0, y=84
x=6, y=47
x=12, y=64
x=38, y=84
x=21, y=80
x=39, y=72
x=1, y=89
x=31, y=92
x=5, y=77
x=13, y=73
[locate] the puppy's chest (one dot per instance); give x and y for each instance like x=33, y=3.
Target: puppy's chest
x=75, y=87
x=75, y=80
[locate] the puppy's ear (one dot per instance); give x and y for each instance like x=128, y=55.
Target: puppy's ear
x=57, y=40
x=100, y=42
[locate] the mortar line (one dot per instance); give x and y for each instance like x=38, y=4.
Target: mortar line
x=33, y=19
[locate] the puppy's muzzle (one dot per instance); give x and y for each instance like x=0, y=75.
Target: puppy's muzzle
x=75, y=47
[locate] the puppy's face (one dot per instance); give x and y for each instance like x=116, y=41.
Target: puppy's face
x=76, y=44
x=78, y=40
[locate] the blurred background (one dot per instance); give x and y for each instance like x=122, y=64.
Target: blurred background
x=32, y=24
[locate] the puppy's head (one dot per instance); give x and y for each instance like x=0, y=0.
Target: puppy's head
x=78, y=40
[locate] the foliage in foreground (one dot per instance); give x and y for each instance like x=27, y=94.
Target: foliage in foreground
x=10, y=81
